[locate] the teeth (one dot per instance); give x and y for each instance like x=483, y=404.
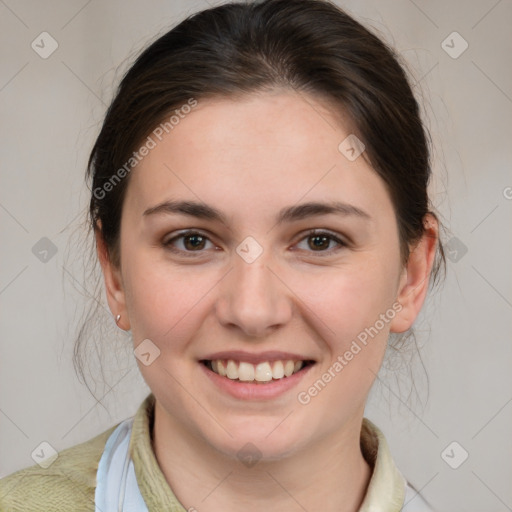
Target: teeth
x=221, y=369
x=288, y=368
x=262, y=372
x=278, y=370
x=246, y=372
x=232, y=370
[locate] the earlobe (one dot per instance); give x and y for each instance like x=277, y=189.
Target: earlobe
x=415, y=278
x=113, y=282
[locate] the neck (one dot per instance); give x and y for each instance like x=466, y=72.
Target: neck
x=330, y=476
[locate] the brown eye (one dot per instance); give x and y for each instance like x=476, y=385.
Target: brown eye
x=188, y=242
x=321, y=242
x=318, y=242
x=193, y=242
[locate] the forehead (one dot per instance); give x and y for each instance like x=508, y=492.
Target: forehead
x=256, y=152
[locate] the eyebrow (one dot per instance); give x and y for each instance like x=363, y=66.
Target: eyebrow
x=288, y=214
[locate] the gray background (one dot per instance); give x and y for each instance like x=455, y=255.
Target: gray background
x=50, y=111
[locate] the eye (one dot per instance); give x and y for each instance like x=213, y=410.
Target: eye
x=321, y=242
x=188, y=242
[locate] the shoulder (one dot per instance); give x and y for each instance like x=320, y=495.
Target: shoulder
x=387, y=485
x=67, y=484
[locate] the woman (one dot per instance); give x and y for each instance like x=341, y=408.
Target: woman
x=259, y=202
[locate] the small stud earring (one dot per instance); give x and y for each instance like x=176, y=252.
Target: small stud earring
x=118, y=317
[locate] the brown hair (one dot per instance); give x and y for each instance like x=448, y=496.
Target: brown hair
x=310, y=46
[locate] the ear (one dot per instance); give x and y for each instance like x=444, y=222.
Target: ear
x=416, y=276
x=113, y=281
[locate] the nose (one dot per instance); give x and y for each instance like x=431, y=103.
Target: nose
x=253, y=298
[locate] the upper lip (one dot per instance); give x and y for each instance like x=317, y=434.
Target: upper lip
x=248, y=357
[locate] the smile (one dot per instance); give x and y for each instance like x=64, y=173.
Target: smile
x=264, y=372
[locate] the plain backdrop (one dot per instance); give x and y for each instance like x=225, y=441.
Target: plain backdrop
x=50, y=111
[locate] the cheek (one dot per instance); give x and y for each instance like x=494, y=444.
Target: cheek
x=165, y=302
x=346, y=300
x=346, y=308
x=166, y=306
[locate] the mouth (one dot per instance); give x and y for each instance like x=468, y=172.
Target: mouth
x=263, y=372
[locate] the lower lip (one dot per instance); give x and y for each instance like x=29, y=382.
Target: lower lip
x=253, y=391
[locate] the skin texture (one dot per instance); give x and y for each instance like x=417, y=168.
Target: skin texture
x=250, y=157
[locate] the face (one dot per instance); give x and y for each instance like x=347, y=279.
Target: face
x=233, y=249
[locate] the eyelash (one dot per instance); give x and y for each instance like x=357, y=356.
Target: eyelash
x=311, y=233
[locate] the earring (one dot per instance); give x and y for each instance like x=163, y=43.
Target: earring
x=118, y=317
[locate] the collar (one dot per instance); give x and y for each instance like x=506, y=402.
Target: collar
x=386, y=490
